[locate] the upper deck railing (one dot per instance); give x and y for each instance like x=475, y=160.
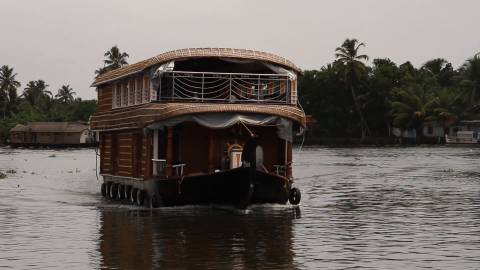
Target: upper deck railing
x=224, y=87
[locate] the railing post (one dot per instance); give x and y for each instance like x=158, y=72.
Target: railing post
x=230, y=91
x=173, y=84
x=258, y=89
x=203, y=78
x=287, y=95
x=159, y=88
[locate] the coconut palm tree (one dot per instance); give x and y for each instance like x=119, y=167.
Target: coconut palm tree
x=441, y=70
x=470, y=73
x=8, y=87
x=353, y=71
x=114, y=59
x=65, y=94
x=435, y=66
x=446, y=107
x=36, y=92
x=411, y=105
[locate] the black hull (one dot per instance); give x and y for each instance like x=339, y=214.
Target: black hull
x=238, y=187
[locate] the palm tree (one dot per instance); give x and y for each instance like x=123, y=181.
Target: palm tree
x=411, y=105
x=8, y=87
x=441, y=70
x=446, y=107
x=65, y=94
x=114, y=59
x=435, y=66
x=353, y=70
x=36, y=92
x=470, y=73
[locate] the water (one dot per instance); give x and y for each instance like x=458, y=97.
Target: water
x=362, y=208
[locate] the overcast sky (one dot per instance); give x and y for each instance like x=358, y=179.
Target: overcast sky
x=63, y=42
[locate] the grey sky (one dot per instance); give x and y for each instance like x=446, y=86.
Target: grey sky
x=62, y=41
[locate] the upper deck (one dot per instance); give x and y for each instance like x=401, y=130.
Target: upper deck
x=200, y=76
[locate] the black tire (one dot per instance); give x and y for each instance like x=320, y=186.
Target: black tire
x=154, y=201
x=140, y=197
x=113, y=190
x=128, y=191
x=133, y=195
x=121, y=192
x=295, y=196
x=103, y=190
x=109, y=185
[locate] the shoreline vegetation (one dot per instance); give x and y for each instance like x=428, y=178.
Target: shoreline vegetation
x=354, y=103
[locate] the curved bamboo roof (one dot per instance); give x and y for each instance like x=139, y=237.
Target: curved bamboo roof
x=142, y=115
x=193, y=53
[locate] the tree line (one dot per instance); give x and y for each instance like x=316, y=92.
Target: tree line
x=37, y=103
x=350, y=98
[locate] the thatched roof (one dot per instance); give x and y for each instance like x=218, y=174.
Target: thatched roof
x=193, y=53
x=145, y=114
x=63, y=127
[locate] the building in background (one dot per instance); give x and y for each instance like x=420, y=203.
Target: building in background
x=50, y=134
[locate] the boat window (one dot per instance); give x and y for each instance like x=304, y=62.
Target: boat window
x=138, y=90
x=146, y=89
x=124, y=94
x=131, y=92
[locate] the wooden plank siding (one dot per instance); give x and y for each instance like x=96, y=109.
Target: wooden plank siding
x=106, y=154
x=105, y=95
x=123, y=153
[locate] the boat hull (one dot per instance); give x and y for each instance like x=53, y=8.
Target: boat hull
x=238, y=187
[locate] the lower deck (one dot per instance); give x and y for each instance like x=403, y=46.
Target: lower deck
x=189, y=149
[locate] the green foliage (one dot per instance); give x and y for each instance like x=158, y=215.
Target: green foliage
x=385, y=95
x=351, y=68
x=65, y=94
x=37, y=104
x=114, y=59
x=8, y=89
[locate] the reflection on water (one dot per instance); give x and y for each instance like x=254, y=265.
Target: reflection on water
x=201, y=238
x=375, y=208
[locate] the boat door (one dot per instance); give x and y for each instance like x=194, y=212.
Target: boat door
x=235, y=155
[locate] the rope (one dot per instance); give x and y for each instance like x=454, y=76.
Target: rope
x=303, y=135
x=249, y=131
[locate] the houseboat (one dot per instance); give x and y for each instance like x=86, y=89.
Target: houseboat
x=51, y=134
x=463, y=137
x=199, y=126
x=463, y=132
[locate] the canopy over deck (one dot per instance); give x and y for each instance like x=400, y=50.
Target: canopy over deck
x=194, y=53
x=143, y=115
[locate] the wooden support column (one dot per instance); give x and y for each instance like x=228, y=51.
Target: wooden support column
x=102, y=153
x=155, y=149
x=148, y=156
x=169, y=151
x=211, y=141
x=289, y=158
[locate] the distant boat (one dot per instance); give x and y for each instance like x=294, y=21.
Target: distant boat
x=463, y=137
x=51, y=134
